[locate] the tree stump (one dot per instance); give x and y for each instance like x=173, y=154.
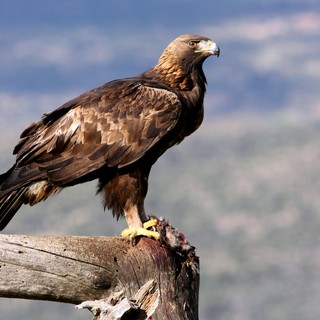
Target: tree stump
x=108, y=275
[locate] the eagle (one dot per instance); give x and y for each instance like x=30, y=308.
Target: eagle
x=113, y=133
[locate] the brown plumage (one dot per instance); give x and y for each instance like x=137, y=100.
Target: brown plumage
x=114, y=133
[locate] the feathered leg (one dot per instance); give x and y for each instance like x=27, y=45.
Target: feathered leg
x=124, y=194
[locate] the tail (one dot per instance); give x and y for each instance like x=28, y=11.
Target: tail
x=12, y=196
x=10, y=203
x=14, y=193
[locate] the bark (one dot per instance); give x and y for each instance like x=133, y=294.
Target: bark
x=109, y=276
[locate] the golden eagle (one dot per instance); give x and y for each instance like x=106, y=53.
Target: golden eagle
x=114, y=133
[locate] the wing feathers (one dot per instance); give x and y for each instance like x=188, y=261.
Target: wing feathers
x=115, y=124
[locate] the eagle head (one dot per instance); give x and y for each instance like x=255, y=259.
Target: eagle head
x=189, y=49
x=184, y=56
x=196, y=46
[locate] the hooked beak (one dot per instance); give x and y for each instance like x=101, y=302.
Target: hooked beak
x=209, y=47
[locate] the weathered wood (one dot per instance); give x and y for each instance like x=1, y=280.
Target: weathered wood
x=79, y=269
x=139, y=307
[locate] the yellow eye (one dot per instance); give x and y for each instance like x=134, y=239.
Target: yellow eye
x=193, y=43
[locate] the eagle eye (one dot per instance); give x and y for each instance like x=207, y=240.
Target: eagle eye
x=193, y=43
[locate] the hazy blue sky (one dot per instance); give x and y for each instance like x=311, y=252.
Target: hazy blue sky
x=52, y=51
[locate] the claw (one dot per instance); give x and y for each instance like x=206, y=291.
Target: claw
x=150, y=223
x=142, y=231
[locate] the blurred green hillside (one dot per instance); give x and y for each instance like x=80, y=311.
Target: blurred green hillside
x=245, y=191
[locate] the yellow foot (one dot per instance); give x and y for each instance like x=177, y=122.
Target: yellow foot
x=142, y=231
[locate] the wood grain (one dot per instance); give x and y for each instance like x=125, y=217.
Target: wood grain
x=78, y=269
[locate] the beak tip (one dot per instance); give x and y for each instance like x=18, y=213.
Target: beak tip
x=216, y=52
